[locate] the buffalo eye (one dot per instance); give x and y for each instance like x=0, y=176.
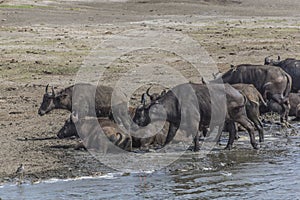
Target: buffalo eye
x=62, y=97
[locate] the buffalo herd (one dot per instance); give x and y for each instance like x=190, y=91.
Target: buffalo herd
x=103, y=120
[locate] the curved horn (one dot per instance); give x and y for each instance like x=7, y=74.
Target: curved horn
x=147, y=91
x=278, y=58
x=143, y=99
x=46, y=90
x=119, y=139
x=53, y=93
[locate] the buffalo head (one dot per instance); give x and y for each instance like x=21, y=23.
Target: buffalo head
x=154, y=96
x=145, y=114
x=52, y=101
x=68, y=130
x=141, y=116
x=48, y=102
x=269, y=61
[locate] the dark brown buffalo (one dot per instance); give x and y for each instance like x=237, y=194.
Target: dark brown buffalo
x=69, y=128
x=191, y=106
x=102, y=135
x=87, y=100
x=143, y=139
x=290, y=66
x=254, y=101
x=271, y=82
x=294, y=99
x=99, y=96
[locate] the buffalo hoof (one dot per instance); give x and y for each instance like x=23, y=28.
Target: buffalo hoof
x=196, y=148
x=286, y=124
x=255, y=146
x=261, y=140
x=228, y=147
x=236, y=137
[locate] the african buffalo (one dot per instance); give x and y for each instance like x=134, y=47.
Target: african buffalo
x=191, y=107
x=272, y=83
x=294, y=99
x=143, y=142
x=254, y=100
x=87, y=100
x=101, y=134
x=290, y=66
x=69, y=128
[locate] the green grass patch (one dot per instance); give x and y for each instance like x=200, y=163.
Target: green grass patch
x=18, y=6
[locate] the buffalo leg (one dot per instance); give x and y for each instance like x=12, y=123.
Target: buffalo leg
x=236, y=137
x=232, y=133
x=171, y=133
x=204, y=132
x=246, y=123
x=285, y=113
x=220, y=130
x=196, y=142
x=259, y=126
x=253, y=116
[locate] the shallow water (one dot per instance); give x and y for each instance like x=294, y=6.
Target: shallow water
x=273, y=172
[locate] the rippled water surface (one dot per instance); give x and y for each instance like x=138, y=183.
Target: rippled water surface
x=273, y=172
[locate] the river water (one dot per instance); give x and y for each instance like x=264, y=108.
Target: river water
x=273, y=172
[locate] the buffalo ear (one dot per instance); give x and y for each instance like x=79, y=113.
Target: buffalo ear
x=278, y=58
x=74, y=117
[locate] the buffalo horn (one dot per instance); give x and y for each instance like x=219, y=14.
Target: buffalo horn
x=147, y=91
x=143, y=99
x=53, y=94
x=46, y=90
